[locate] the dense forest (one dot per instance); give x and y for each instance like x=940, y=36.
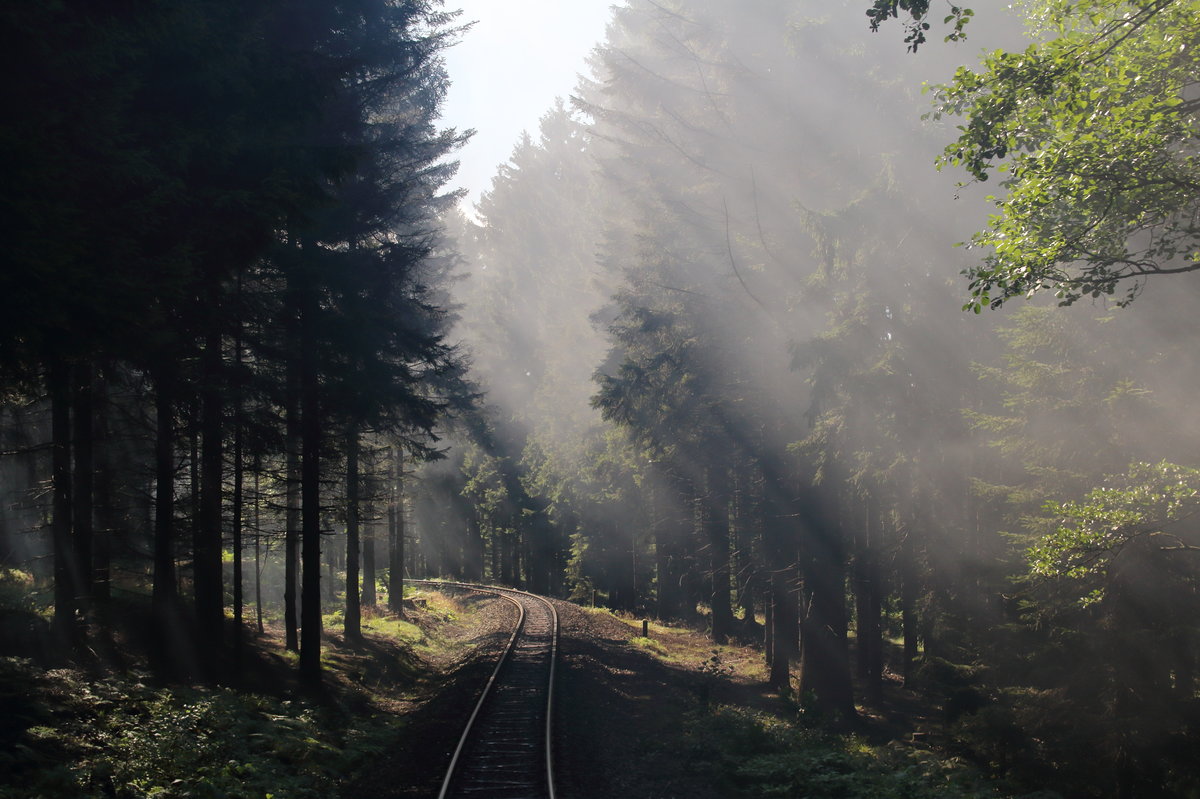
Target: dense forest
x=705, y=351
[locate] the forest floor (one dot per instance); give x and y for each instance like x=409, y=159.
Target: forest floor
x=674, y=715
x=105, y=724
x=667, y=715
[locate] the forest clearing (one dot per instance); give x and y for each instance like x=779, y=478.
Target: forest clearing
x=803, y=407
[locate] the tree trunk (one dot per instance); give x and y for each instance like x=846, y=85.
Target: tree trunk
x=396, y=532
x=82, y=487
x=691, y=582
x=717, y=524
x=779, y=545
x=369, y=598
x=102, y=502
x=310, y=494
x=165, y=595
x=769, y=632
x=868, y=603
x=58, y=383
x=206, y=541
x=825, y=660
x=476, y=549
x=909, y=591
x=667, y=605
x=527, y=553
x=748, y=514
x=504, y=540
x=258, y=598
x=785, y=621
x=238, y=512
x=193, y=428
x=291, y=545
x=353, y=618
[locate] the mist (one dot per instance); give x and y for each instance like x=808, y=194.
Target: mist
x=858, y=363
x=714, y=304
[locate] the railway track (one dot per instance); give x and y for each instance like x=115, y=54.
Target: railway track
x=505, y=750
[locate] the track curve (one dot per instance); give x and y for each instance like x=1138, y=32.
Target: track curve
x=505, y=751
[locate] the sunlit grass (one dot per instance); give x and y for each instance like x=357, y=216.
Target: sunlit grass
x=685, y=646
x=650, y=645
x=394, y=627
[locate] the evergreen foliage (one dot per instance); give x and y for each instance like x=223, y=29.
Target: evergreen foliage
x=243, y=234
x=717, y=372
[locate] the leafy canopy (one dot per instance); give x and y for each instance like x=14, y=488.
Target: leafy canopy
x=1093, y=130
x=1152, y=506
x=914, y=13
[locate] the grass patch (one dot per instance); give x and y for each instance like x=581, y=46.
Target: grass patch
x=684, y=646
x=654, y=627
x=652, y=646
x=394, y=627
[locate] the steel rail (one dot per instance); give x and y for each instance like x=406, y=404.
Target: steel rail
x=506, y=593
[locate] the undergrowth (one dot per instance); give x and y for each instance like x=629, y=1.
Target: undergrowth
x=70, y=734
x=751, y=754
x=66, y=734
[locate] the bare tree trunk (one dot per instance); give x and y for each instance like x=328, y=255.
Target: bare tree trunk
x=494, y=548
x=58, y=382
x=369, y=597
x=502, y=546
x=825, y=660
x=353, y=618
x=785, y=621
x=291, y=545
x=666, y=605
x=310, y=494
x=206, y=541
x=165, y=591
x=717, y=523
x=779, y=545
x=258, y=599
x=748, y=514
x=396, y=532
x=193, y=428
x=238, y=511
x=102, y=501
x=909, y=589
x=769, y=631
x=868, y=602
x=476, y=555
x=83, y=485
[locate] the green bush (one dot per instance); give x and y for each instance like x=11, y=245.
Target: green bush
x=116, y=737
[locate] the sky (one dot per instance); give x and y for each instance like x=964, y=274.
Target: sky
x=508, y=69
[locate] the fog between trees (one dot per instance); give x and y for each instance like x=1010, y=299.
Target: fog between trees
x=699, y=353
x=716, y=309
